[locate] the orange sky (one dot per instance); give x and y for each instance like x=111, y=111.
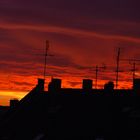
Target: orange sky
x=81, y=35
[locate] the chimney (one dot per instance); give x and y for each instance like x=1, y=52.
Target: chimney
x=136, y=86
x=109, y=88
x=87, y=84
x=13, y=103
x=40, y=84
x=55, y=85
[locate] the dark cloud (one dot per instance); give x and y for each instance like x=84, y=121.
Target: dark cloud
x=69, y=13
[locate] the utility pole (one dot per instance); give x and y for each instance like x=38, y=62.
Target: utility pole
x=117, y=68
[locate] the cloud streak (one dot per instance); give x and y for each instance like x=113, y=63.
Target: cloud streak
x=68, y=31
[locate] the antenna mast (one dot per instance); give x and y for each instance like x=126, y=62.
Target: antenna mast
x=117, y=69
x=46, y=54
x=133, y=64
x=134, y=70
x=97, y=69
x=96, y=77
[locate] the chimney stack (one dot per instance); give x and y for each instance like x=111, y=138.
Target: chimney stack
x=55, y=85
x=40, y=84
x=87, y=84
x=136, y=86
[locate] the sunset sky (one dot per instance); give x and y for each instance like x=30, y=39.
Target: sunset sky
x=82, y=34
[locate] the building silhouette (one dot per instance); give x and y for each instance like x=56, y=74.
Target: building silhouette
x=65, y=113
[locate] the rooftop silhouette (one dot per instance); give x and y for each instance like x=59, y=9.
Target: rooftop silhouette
x=64, y=113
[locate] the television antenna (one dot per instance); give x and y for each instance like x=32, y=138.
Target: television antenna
x=117, y=67
x=97, y=69
x=45, y=57
x=133, y=62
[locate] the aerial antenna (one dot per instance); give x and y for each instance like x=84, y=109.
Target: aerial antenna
x=134, y=62
x=96, y=76
x=134, y=70
x=117, y=68
x=97, y=68
x=46, y=54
